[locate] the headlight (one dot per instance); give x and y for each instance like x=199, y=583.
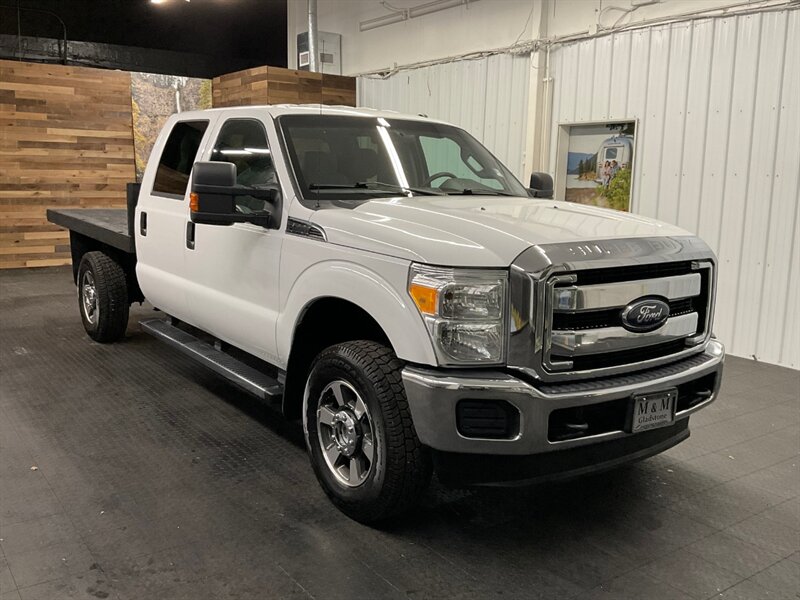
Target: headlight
x=464, y=310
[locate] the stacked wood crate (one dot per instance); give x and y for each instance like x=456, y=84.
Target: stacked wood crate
x=274, y=85
x=66, y=140
x=338, y=89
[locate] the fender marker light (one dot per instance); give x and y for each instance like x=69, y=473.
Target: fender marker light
x=194, y=202
x=424, y=297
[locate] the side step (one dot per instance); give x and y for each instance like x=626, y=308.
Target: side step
x=246, y=377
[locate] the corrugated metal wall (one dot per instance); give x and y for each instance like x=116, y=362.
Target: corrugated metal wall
x=488, y=97
x=717, y=152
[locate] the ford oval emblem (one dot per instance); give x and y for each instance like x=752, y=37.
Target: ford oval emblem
x=645, y=314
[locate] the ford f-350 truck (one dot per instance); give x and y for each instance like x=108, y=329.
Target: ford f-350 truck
x=389, y=282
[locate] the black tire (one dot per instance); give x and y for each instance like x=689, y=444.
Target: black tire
x=108, y=320
x=401, y=470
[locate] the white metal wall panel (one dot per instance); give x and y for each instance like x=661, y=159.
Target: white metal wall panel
x=739, y=155
x=601, y=77
x=676, y=99
x=586, y=70
x=753, y=236
x=778, y=330
x=619, y=77
x=488, y=97
x=718, y=108
x=650, y=155
x=717, y=133
x=697, y=119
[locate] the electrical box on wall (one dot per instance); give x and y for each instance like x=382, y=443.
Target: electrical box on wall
x=330, y=52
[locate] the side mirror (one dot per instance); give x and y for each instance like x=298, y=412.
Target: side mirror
x=541, y=186
x=213, y=196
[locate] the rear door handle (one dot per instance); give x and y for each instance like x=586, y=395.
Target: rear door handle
x=190, y=235
x=143, y=223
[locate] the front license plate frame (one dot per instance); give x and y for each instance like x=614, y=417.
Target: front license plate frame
x=652, y=410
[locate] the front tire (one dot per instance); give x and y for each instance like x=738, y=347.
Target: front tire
x=359, y=433
x=102, y=297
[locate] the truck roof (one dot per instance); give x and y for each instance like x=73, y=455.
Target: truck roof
x=276, y=110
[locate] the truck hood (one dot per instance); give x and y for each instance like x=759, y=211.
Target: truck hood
x=477, y=231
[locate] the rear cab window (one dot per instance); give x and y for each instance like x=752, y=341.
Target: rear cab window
x=177, y=158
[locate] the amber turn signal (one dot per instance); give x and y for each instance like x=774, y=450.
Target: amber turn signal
x=194, y=202
x=424, y=297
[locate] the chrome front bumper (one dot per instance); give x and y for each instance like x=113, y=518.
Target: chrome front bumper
x=434, y=394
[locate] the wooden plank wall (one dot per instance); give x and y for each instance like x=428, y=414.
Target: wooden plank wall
x=66, y=140
x=274, y=85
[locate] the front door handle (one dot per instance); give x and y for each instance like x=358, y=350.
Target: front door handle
x=190, y=235
x=143, y=223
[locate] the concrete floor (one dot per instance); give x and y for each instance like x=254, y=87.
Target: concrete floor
x=156, y=480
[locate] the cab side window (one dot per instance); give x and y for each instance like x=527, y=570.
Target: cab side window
x=178, y=157
x=243, y=142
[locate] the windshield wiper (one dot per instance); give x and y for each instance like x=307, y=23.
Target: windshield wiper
x=394, y=186
x=472, y=192
x=370, y=185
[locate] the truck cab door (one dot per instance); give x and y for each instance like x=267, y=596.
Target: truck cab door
x=162, y=213
x=232, y=270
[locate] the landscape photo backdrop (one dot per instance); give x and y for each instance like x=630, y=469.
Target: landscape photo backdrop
x=154, y=98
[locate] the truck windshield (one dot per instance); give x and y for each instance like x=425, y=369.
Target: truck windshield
x=349, y=158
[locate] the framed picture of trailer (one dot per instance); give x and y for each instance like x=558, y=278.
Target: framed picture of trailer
x=595, y=162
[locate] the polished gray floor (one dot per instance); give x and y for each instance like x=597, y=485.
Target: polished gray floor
x=128, y=472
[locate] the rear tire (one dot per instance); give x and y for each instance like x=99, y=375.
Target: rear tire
x=102, y=297
x=359, y=433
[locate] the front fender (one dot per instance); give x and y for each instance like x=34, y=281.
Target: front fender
x=382, y=295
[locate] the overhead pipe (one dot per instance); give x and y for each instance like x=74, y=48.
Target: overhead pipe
x=313, y=35
x=404, y=14
x=19, y=8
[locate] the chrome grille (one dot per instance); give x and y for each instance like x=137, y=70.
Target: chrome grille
x=567, y=303
x=616, y=295
x=585, y=327
x=611, y=339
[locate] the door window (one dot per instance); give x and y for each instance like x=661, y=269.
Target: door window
x=243, y=142
x=178, y=157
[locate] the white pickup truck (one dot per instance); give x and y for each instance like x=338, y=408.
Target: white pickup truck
x=388, y=281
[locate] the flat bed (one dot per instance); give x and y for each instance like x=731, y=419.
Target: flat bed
x=107, y=225
x=106, y=230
